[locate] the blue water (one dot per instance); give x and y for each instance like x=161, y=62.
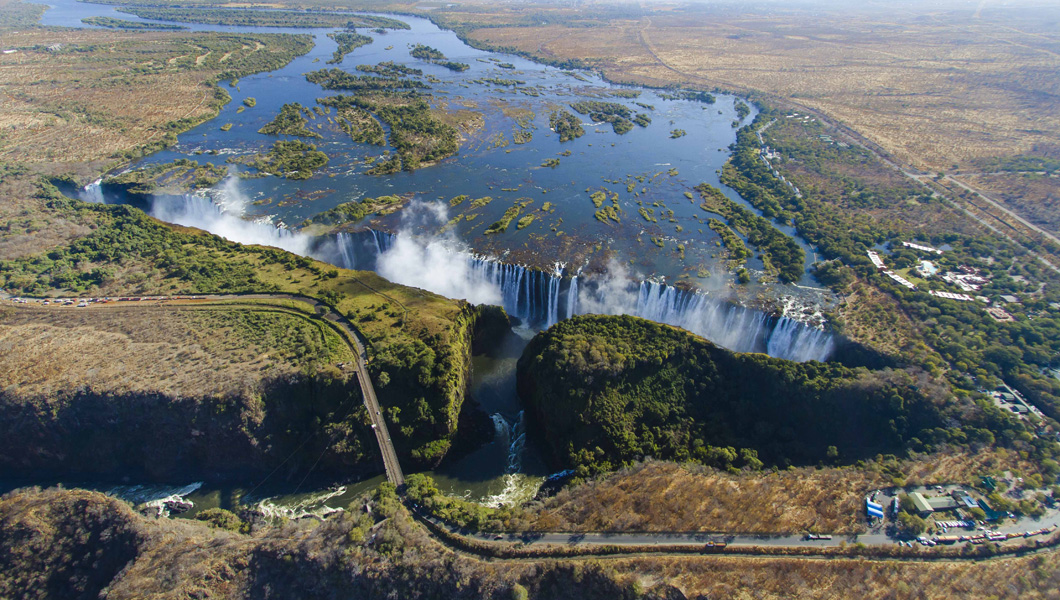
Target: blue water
x=600, y=160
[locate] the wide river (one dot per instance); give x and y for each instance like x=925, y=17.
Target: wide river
x=662, y=235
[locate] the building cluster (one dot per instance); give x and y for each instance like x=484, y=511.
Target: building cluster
x=967, y=278
x=767, y=154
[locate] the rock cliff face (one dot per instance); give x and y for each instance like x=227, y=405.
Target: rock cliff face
x=607, y=390
x=158, y=436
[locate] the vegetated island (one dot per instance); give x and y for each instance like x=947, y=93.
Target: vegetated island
x=565, y=124
x=781, y=254
x=348, y=41
x=433, y=55
x=175, y=177
x=112, y=23
x=261, y=18
x=417, y=133
x=292, y=120
x=610, y=390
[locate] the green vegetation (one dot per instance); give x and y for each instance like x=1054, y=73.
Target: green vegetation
x=550, y=162
x=260, y=18
x=525, y=221
x=390, y=69
x=293, y=159
x=506, y=65
x=480, y=202
x=738, y=253
x=417, y=135
x=566, y=125
x=598, y=198
x=500, y=81
x=351, y=212
x=459, y=67
x=337, y=79
x=357, y=122
x=433, y=55
x=742, y=110
x=502, y=224
x=693, y=95
x=522, y=136
x=779, y=251
x=609, y=390
x=348, y=42
x=174, y=177
x=426, y=53
x=607, y=213
x=292, y=120
x=677, y=133
x=112, y=23
x=250, y=102
x=616, y=114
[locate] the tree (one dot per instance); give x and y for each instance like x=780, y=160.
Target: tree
x=912, y=524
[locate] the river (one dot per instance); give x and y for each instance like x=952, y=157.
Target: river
x=648, y=169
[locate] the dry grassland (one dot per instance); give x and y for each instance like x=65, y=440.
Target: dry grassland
x=670, y=497
x=666, y=496
x=104, y=92
x=768, y=579
x=48, y=352
x=1035, y=197
x=933, y=89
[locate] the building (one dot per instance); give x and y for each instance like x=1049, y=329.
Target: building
x=922, y=248
x=876, y=260
x=901, y=280
x=926, y=506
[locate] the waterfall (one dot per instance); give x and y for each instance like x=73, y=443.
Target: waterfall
x=572, y=297
x=517, y=486
x=534, y=297
x=553, y=297
x=93, y=192
x=531, y=295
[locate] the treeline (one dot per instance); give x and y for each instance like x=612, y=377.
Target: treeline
x=609, y=390
x=694, y=95
x=779, y=251
x=738, y=253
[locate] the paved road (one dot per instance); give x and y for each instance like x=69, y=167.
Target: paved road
x=347, y=331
